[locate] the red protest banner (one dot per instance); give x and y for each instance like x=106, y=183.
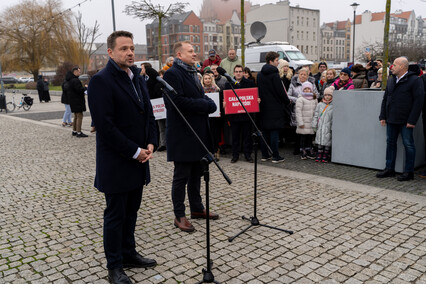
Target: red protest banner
x=248, y=97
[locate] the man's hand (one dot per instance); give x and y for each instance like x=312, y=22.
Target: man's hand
x=410, y=125
x=383, y=122
x=145, y=154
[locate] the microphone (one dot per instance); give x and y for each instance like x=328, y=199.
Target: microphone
x=222, y=72
x=154, y=74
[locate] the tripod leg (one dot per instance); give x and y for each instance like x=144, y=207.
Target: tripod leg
x=232, y=238
x=279, y=229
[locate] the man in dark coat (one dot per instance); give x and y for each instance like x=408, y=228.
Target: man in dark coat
x=273, y=100
x=75, y=92
x=240, y=122
x=401, y=107
x=125, y=140
x=183, y=148
x=40, y=87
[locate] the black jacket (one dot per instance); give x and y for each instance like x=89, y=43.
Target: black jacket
x=64, y=96
x=403, y=101
x=273, y=98
x=182, y=145
x=244, y=84
x=123, y=123
x=75, y=92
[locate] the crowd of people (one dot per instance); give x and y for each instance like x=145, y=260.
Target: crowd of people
x=295, y=105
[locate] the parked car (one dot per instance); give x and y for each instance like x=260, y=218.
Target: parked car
x=25, y=80
x=9, y=80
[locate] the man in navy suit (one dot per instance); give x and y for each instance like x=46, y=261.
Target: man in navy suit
x=183, y=148
x=125, y=139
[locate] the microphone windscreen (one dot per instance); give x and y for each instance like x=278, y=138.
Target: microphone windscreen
x=151, y=73
x=220, y=70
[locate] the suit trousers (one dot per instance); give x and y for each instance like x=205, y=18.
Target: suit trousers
x=243, y=129
x=187, y=174
x=119, y=226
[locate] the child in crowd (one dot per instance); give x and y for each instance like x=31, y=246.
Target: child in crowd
x=321, y=123
x=305, y=107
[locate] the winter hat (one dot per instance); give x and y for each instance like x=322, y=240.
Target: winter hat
x=212, y=52
x=347, y=71
x=282, y=63
x=307, y=84
x=329, y=91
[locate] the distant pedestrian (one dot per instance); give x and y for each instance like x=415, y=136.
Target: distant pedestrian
x=40, y=87
x=401, y=107
x=43, y=89
x=66, y=120
x=169, y=63
x=75, y=92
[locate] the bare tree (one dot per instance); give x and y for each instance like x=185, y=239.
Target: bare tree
x=86, y=37
x=145, y=10
x=29, y=33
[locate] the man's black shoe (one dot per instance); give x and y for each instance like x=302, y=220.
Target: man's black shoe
x=234, y=160
x=249, y=159
x=74, y=133
x=139, y=261
x=81, y=134
x=117, y=276
x=386, y=173
x=406, y=176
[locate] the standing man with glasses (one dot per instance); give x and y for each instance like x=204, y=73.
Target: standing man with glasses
x=401, y=107
x=125, y=137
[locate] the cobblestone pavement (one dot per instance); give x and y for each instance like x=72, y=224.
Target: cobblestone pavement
x=344, y=232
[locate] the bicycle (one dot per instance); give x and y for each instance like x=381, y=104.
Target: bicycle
x=26, y=103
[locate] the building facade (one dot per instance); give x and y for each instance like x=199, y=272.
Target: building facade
x=180, y=27
x=336, y=41
x=295, y=25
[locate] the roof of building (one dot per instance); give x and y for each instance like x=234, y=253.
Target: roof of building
x=341, y=25
x=380, y=16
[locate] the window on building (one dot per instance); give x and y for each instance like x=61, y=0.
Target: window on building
x=186, y=28
x=316, y=50
x=314, y=36
x=297, y=20
x=301, y=22
x=301, y=35
x=307, y=35
x=297, y=34
x=307, y=21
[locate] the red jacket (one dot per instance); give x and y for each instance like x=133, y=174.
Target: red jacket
x=209, y=62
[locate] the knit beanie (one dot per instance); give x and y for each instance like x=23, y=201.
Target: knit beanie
x=347, y=71
x=329, y=91
x=307, y=84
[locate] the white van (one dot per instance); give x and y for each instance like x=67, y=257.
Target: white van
x=255, y=55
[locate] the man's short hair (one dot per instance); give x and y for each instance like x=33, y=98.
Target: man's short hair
x=271, y=56
x=239, y=66
x=322, y=63
x=75, y=68
x=147, y=65
x=177, y=46
x=111, y=41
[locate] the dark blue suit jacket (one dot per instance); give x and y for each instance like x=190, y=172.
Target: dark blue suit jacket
x=182, y=145
x=123, y=123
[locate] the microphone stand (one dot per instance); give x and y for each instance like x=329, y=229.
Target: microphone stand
x=208, y=276
x=254, y=221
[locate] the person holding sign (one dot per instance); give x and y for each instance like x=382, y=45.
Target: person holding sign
x=240, y=123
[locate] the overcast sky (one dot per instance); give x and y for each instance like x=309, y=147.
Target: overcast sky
x=330, y=10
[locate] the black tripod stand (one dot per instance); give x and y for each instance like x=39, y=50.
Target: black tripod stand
x=207, y=273
x=253, y=220
x=256, y=135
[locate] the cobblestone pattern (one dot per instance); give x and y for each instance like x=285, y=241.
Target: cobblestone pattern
x=51, y=223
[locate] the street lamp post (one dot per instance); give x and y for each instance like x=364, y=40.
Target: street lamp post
x=113, y=15
x=354, y=6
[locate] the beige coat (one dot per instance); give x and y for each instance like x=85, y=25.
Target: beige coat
x=304, y=114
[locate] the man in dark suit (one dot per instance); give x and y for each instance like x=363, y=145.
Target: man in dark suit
x=183, y=148
x=125, y=139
